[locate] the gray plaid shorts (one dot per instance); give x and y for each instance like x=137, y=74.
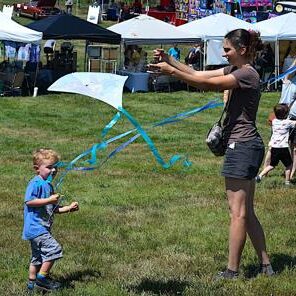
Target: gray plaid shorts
x=45, y=248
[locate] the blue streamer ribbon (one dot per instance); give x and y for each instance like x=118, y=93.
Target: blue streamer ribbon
x=151, y=145
x=172, y=119
x=141, y=132
x=111, y=124
x=281, y=76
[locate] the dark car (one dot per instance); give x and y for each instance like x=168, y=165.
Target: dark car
x=37, y=9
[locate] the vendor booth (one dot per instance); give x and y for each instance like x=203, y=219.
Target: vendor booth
x=212, y=30
x=146, y=30
x=20, y=45
x=69, y=27
x=280, y=29
x=250, y=11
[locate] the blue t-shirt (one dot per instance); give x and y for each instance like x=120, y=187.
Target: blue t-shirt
x=174, y=52
x=37, y=220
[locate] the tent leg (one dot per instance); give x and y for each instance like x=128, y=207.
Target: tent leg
x=277, y=61
x=204, y=56
x=85, y=50
x=121, y=55
x=36, y=74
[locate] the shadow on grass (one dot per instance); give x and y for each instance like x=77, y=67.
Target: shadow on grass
x=171, y=287
x=278, y=261
x=81, y=275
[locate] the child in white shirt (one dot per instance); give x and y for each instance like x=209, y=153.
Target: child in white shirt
x=279, y=142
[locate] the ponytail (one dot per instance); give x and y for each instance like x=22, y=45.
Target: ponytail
x=243, y=38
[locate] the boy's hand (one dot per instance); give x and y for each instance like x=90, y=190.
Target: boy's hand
x=74, y=206
x=55, y=198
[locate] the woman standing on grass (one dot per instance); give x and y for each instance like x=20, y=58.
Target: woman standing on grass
x=245, y=149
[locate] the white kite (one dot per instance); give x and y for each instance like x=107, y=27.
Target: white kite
x=105, y=87
x=108, y=88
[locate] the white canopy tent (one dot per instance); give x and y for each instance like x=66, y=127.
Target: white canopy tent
x=145, y=29
x=278, y=28
x=282, y=27
x=12, y=31
x=212, y=29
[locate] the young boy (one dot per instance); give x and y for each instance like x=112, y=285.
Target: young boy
x=279, y=142
x=41, y=202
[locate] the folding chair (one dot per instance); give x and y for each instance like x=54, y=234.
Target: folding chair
x=13, y=85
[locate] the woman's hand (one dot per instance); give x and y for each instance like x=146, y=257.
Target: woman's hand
x=163, y=68
x=160, y=56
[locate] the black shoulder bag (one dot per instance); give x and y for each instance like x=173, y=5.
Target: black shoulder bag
x=215, y=137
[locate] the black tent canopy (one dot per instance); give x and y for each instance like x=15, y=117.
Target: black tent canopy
x=69, y=27
x=65, y=26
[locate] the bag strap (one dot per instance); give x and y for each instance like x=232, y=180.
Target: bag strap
x=225, y=107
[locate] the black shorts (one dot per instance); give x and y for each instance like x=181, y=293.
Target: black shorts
x=280, y=154
x=292, y=137
x=243, y=159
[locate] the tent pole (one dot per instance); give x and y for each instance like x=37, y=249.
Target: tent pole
x=85, y=50
x=277, y=61
x=204, y=56
x=36, y=74
x=121, y=56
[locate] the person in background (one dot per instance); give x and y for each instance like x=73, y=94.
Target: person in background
x=195, y=57
x=292, y=137
x=141, y=66
x=288, y=96
x=48, y=49
x=124, y=12
x=245, y=148
x=41, y=203
x=135, y=58
x=113, y=5
x=175, y=52
x=279, y=142
x=289, y=57
x=265, y=61
x=69, y=5
x=128, y=56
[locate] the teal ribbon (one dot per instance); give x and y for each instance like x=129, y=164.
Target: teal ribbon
x=172, y=119
x=110, y=124
x=141, y=132
x=151, y=145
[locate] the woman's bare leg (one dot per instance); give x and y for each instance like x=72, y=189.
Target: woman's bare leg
x=237, y=194
x=254, y=228
x=240, y=195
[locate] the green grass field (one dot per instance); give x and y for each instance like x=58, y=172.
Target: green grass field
x=141, y=230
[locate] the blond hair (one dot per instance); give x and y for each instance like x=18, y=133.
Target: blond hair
x=45, y=154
